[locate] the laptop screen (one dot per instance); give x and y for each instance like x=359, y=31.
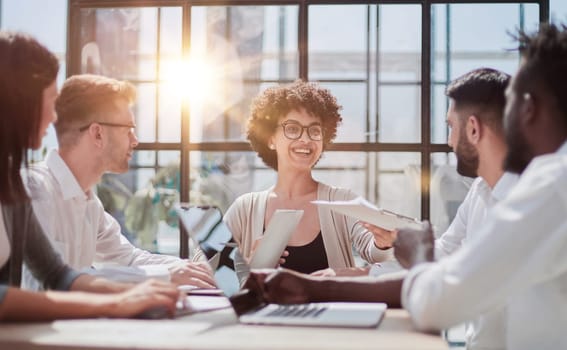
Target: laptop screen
x=207, y=230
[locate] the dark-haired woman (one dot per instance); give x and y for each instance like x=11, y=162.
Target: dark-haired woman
x=27, y=95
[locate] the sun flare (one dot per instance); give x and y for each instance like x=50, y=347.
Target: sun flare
x=193, y=79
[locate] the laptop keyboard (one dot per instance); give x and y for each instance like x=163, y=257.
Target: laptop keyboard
x=301, y=311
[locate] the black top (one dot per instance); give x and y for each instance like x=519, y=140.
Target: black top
x=307, y=258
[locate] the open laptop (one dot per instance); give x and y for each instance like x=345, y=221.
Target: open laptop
x=206, y=228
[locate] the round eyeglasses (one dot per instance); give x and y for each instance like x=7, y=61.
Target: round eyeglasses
x=293, y=130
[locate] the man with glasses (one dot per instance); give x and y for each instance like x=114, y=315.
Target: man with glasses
x=96, y=134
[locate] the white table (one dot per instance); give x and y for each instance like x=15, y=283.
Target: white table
x=212, y=330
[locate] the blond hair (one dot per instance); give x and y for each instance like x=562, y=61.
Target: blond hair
x=85, y=99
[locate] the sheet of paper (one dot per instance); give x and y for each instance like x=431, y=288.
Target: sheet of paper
x=131, y=274
x=202, y=303
x=363, y=210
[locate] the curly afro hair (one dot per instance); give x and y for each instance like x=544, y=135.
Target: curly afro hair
x=544, y=65
x=276, y=102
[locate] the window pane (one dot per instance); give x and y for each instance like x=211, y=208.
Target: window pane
x=141, y=200
x=400, y=119
x=349, y=53
x=351, y=96
x=280, y=56
x=448, y=190
x=145, y=112
x=338, y=51
x=439, y=106
x=387, y=179
x=132, y=55
x=457, y=49
x=169, y=117
x=145, y=158
x=170, y=97
x=558, y=10
x=398, y=182
x=171, y=30
x=51, y=31
x=218, y=178
x=399, y=43
x=234, y=50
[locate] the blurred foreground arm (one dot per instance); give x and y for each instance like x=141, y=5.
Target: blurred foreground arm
x=21, y=305
x=290, y=287
x=413, y=247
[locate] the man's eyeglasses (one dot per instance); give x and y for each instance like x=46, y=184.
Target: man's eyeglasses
x=293, y=130
x=117, y=125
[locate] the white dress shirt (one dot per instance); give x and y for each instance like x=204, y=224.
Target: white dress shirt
x=76, y=223
x=4, y=243
x=472, y=213
x=486, y=331
x=518, y=259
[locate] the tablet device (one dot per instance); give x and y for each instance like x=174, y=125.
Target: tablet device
x=270, y=248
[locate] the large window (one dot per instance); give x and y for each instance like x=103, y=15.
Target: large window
x=198, y=64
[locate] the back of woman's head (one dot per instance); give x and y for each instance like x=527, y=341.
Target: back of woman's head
x=26, y=69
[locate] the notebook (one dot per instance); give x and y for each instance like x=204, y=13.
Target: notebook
x=206, y=228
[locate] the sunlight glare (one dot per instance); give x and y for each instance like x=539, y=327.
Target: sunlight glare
x=192, y=79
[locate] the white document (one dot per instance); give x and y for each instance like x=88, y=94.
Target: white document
x=363, y=210
x=201, y=303
x=282, y=224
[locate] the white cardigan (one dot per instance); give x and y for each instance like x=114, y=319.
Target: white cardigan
x=245, y=218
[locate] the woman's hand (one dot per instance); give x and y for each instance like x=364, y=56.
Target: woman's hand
x=383, y=239
x=142, y=297
x=284, y=255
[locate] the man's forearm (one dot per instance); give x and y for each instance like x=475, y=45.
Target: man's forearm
x=385, y=290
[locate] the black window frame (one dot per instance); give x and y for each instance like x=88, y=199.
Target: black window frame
x=425, y=147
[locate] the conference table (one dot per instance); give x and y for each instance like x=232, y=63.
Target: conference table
x=210, y=331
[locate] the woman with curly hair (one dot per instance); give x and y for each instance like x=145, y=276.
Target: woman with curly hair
x=290, y=127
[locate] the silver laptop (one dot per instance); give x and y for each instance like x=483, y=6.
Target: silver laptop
x=206, y=228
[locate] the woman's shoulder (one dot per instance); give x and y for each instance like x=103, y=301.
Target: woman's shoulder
x=334, y=193
x=250, y=196
x=248, y=201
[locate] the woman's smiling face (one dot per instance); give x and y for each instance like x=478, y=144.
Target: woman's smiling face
x=304, y=152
